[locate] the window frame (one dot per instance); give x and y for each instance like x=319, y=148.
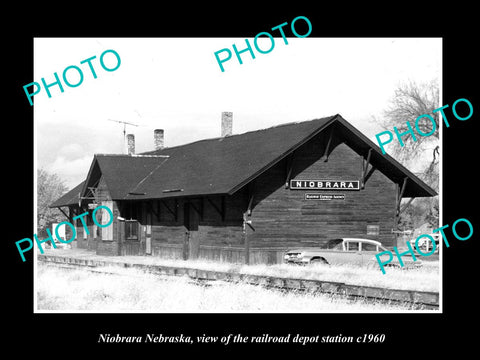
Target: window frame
x=373, y=229
x=375, y=246
x=131, y=235
x=347, y=247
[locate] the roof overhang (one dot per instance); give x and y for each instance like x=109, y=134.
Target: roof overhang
x=125, y=175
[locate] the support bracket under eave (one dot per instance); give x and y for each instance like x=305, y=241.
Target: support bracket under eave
x=249, y=207
x=64, y=213
x=400, y=195
x=156, y=213
x=199, y=211
x=404, y=207
x=221, y=209
x=289, y=171
x=173, y=212
x=366, y=173
x=250, y=194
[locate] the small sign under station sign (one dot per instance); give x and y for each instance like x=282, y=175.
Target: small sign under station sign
x=324, y=196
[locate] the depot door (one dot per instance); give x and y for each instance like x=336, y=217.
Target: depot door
x=192, y=240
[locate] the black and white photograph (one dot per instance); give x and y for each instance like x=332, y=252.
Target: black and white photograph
x=245, y=191
x=276, y=183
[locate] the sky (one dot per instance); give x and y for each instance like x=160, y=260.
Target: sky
x=176, y=84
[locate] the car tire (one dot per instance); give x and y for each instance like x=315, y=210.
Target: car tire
x=317, y=261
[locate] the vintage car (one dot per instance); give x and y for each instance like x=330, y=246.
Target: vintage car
x=345, y=251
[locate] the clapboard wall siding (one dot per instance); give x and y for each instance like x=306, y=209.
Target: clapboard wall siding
x=212, y=230
x=282, y=217
x=164, y=192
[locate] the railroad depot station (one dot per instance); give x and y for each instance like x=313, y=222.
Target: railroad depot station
x=243, y=198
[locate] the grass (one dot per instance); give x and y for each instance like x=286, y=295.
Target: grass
x=424, y=278
x=133, y=290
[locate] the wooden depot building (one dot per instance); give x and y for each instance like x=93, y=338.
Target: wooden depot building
x=246, y=197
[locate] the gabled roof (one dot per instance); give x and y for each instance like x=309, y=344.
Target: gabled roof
x=121, y=173
x=69, y=198
x=224, y=165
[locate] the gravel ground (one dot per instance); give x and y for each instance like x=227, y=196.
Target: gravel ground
x=78, y=290
x=425, y=278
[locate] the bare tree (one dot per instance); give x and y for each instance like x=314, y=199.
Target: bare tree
x=49, y=188
x=410, y=101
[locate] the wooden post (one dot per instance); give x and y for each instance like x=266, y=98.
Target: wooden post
x=176, y=210
x=246, y=240
x=223, y=207
x=185, y=245
x=246, y=214
x=398, y=198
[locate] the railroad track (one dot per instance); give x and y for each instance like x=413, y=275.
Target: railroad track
x=417, y=299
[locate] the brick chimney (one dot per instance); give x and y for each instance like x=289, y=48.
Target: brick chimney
x=158, y=139
x=131, y=144
x=227, y=119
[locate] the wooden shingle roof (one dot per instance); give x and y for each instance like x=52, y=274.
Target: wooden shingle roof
x=224, y=165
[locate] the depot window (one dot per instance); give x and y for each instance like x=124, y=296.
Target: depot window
x=373, y=229
x=131, y=230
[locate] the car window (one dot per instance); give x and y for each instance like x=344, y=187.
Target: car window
x=335, y=244
x=369, y=247
x=352, y=246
